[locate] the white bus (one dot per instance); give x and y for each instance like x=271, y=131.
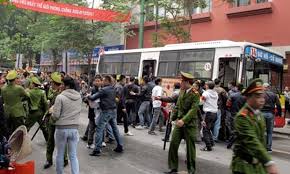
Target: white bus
x=227, y=60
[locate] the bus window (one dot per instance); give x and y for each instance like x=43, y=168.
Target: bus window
x=168, y=64
x=197, y=62
x=131, y=63
x=111, y=64
x=266, y=71
x=148, y=68
x=227, y=70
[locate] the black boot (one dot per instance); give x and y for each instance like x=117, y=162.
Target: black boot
x=65, y=163
x=119, y=149
x=95, y=153
x=173, y=171
x=47, y=165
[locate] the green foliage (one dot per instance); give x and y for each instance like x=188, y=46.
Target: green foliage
x=29, y=33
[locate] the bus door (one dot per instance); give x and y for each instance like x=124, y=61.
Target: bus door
x=228, y=70
x=149, y=64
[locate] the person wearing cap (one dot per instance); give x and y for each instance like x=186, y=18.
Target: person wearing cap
x=250, y=153
x=37, y=106
x=13, y=95
x=185, y=115
x=55, y=90
x=271, y=102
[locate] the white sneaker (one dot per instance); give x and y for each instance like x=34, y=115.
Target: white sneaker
x=104, y=144
x=139, y=127
x=90, y=146
x=129, y=134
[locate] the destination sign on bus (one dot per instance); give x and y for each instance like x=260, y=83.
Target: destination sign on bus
x=263, y=55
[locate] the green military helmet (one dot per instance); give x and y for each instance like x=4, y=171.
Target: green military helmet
x=255, y=87
x=35, y=80
x=186, y=76
x=12, y=75
x=56, y=77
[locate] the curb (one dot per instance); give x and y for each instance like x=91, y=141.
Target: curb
x=282, y=134
x=280, y=153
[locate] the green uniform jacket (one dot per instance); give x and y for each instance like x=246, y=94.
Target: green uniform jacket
x=13, y=95
x=38, y=101
x=186, y=108
x=52, y=94
x=250, y=154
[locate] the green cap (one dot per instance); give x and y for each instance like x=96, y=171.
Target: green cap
x=35, y=80
x=186, y=76
x=11, y=75
x=255, y=87
x=56, y=77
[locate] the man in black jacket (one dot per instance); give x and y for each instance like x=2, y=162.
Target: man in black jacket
x=107, y=96
x=131, y=101
x=89, y=135
x=271, y=100
x=145, y=97
x=121, y=111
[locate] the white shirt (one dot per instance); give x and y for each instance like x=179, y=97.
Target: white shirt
x=157, y=91
x=210, y=100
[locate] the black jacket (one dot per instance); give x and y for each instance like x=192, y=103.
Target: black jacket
x=237, y=102
x=107, y=95
x=271, y=100
x=127, y=89
x=145, y=93
x=120, y=95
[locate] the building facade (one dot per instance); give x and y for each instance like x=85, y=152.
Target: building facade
x=262, y=22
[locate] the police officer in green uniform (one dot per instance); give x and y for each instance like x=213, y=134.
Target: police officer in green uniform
x=38, y=106
x=250, y=153
x=13, y=96
x=185, y=115
x=56, y=82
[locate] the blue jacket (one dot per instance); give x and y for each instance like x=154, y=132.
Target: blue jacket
x=107, y=96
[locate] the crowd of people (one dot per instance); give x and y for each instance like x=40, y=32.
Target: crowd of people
x=202, y=111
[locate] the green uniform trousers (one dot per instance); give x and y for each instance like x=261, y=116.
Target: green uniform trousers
x=187, y=133
x=14, y=123
x=51, y=144
x=36, y=116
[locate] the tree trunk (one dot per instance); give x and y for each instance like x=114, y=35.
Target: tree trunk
x=55, y=59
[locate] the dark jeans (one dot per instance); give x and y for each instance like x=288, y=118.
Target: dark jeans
x=91, y=131
x=131, y=108
x=269, y=119
x=210, y=119
x=107, y=117
x=124, y=115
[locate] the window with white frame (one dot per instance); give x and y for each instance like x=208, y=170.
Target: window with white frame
x=239, y=3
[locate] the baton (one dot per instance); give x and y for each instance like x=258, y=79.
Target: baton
x=42, y=122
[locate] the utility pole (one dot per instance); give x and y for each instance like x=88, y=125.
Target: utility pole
x=141, y=24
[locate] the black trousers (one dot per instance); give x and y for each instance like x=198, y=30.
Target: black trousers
x=131, y=108
x=123, y=115
x=210, y=119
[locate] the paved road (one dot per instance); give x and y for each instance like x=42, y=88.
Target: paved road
x=143, y=154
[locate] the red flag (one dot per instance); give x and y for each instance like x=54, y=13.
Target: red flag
x=74, y=11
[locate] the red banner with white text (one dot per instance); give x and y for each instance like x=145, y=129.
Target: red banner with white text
x=74, y=11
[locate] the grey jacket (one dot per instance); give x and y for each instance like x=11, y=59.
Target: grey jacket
x=67, y=109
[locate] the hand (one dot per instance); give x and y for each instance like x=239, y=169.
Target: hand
x=157, y=98
x=272, y=169
x=132, y=93
x=203, y=123
x=124, y=110
x=180, y=123
x=50, y=110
